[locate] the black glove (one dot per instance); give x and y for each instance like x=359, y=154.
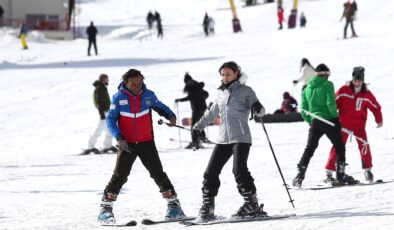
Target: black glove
x=295, y=82
x=176, y=100
x=337, y=124
x=123, y=146
x=257, y=110
x=102, y=115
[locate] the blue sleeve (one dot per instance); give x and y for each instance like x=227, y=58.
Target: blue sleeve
x=112, y=118
x=161, y=108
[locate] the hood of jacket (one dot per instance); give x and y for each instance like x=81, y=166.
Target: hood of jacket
x=317, y=81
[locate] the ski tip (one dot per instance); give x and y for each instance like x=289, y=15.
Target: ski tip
x=379, y=181
x=147, y=222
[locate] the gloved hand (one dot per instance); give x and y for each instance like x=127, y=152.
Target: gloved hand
x=176, y=100
x=172, y=121
x=258, y=109
x=295, y=82
x=337, y=124
x=123, y=146
x=102, y=115
x=379, y=125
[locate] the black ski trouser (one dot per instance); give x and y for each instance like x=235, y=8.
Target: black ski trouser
x=196, y=116
x=316, y=131
x=220, y=155
x=149, y=156
x=349, y=21
x=92, y=41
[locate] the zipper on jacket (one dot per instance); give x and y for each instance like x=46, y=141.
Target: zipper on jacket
x=135, y=120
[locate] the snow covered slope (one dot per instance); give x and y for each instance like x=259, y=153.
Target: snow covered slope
x=47, y=113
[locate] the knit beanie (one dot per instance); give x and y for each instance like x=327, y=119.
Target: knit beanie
x=358, y=73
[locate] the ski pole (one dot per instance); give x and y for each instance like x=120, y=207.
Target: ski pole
x=179, y=131
x=349, y=132
x=277, y=164
x=160, y=122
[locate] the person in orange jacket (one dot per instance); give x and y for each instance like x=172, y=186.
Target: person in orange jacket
x=353, y=101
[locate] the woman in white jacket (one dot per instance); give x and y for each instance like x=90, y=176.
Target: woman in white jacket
x=307, y=72
x=233, y=103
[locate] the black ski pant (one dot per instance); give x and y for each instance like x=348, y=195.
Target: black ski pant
x=149, y=156
x=316, y=131
x=349, y=21
x=92, y=41
x=196, y=116
x=220, y=155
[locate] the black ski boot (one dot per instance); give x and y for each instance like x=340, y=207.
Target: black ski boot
x=174, y=210
x=207, y=210
x=106, y=215
x=111, y=149
x=92, y=150
x=251, y=207
x=342, y=178
x=297, y=181
x=368, y=175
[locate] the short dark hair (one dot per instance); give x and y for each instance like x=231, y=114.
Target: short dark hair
x=131, y=73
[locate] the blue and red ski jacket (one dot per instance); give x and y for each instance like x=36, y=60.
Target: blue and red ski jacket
x=130, y=115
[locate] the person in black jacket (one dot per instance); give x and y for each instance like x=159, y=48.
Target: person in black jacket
x=150, y=19
x=197, y=97
x=92, y=32
x=102, y=103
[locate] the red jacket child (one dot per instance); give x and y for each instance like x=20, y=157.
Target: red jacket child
x=353, y=102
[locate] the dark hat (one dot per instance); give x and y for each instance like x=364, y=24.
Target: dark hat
x=322, y=70
x=187, y=77
x=131, y=73
x=286, y=95
x=358, y=73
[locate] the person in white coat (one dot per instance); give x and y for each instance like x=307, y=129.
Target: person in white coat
x=102, y=103
x=307, y=72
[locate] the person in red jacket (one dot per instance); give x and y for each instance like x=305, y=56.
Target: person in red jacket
x=353, y=101
x=281, y=18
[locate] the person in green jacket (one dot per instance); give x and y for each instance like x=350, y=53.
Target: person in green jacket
x=319, y=98
x=102, y=103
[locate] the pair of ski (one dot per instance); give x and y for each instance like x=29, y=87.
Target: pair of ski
x=328, y=186
x=148, y=222
x=191, y=221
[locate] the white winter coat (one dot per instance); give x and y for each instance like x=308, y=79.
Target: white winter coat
x=307, y=72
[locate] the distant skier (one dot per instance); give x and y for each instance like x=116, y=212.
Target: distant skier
x=102, y=102
x=307, y=72
x=319, y=98
x=197, y=97
x=281, y=17
x=302, y=20
x=150, y=19
x=159, y=25
x=130, y=122
x=353, y=101
x=92, y=32
x=205, y=24
x=23, y=36
x=234, y=102
x=349, y=12
x=289, y=104
x=1, y=15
